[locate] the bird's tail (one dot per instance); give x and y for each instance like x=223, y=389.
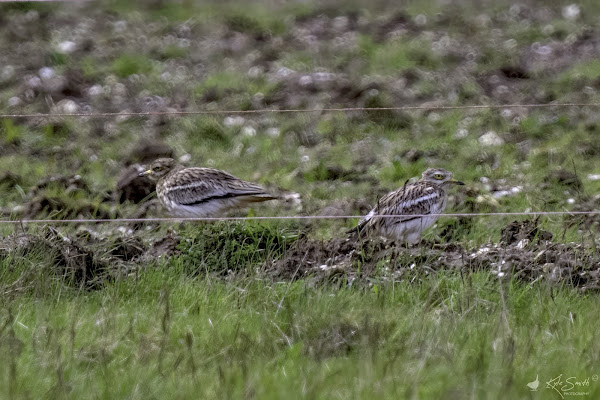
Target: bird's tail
x=258, y=197
x=357, y=230
x=352, y=231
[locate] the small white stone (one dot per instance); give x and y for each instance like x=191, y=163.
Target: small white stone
x=491, y=139
x=255, y=72
x=571, y=12
x=67, y=47
x=95, y=90
x=483, y=250
x=501, y=89
x=305, y=158
x=166, y=76
x=8, y=73
x=506, y=113
x=284, y=72
x=66, y=106
x=124, y=230
x=420, y=20
x=545, y=50
x=541, y=50
x=248, y=131
x=185, y=158
x=433, y=117
x=273, y=132
x=119, y=26
x=340, y=23
x=571, y=201
x=372, y=92
x=123, y=115
x=14, y=101
x=510, y=192
x=305, y=80
x=522, y=243
x=233, y=121
x=46, y=73
x=594, y=177
x=461, y=133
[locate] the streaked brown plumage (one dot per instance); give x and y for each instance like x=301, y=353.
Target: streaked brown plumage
x=425, y=196
x=201, y=192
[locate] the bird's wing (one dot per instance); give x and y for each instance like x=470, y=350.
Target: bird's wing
x=194, y=186
x=414, y=199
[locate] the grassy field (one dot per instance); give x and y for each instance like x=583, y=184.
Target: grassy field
x=278, y=309
x=168, y=334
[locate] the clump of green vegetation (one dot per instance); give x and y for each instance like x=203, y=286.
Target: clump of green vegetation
x=233, y=246
x=397, y=56
x=218, y=85
x=44, y=261
x=11, y=133
x=89, y=67
x=207, y=132
x=129, y=64
x=586, y=71
x=173, y=51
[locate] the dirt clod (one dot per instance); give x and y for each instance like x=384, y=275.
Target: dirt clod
x=127, y=249
x=147, y=151
x=565, y=178
x=519, y=230
x=164, y=247
x=132, y=187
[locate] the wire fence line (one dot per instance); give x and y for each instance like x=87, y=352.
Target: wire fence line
x=291, y=217
x=309, y=110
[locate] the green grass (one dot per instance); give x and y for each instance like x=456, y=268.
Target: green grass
x=232, y=247
x=395, y=56
x=440, y=336
x=129, y=64
x=10, y=132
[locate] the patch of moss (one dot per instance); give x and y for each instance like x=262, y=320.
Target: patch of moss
x=129, y=64
x=10, y=132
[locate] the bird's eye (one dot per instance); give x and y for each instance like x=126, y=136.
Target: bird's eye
x=157, y=168
x=438, y=176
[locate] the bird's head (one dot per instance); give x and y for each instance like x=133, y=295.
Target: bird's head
x=160, y=168
x=440, y=177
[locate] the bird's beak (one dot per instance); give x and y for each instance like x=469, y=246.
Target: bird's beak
x=456, y=182
x=147, y=172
